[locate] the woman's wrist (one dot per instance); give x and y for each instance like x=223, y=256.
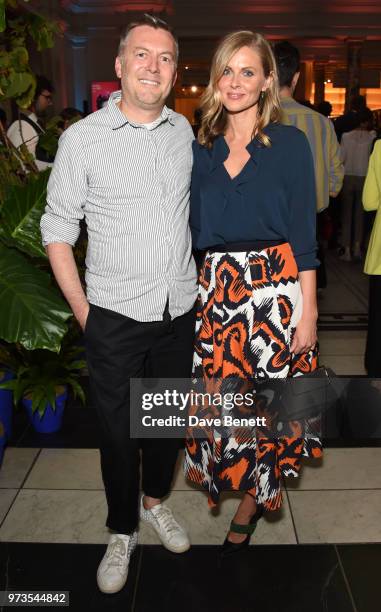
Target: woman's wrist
x=310, y=314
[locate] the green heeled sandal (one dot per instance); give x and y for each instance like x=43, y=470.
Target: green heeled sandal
x=232, y=547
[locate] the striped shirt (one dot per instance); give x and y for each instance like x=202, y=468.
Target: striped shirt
x=329, y=170
x=131, y=183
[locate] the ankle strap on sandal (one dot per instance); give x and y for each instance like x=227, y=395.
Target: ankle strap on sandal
x=248, y=529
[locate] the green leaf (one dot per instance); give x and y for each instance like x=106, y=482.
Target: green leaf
x=51, y=396
x=19, y=58
x=2, y=16
x=5, y=59
x=38, y=400
x=78, y=391
x=19, y=83
x=21, y=214
x=49, y=142
x=78, y=365
x=19, y=390
x=32, y=311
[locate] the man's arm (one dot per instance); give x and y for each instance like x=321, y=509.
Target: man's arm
x=336, y=172
x=66, y=198
x=66, y=274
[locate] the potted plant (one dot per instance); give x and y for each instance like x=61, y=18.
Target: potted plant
x=42, y=382
x=2, y=442
x=8, y=364
x=34, y=318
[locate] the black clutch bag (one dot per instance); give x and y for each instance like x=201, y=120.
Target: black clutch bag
x=302, y=397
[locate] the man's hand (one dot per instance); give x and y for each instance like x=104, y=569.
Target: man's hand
x=65, y=271
x=81, y=315
x=305, y=337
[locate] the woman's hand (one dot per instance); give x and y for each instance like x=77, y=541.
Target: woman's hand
x=305, y=336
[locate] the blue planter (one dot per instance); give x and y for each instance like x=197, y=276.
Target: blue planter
x=6, y=405
x=51, y=420
x=2, y=448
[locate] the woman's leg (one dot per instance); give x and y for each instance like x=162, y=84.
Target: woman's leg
x=346, y=216
x=245, y=511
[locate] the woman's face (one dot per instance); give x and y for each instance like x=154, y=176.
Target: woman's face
x=242, y=81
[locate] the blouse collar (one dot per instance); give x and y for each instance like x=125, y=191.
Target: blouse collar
x=220, y=149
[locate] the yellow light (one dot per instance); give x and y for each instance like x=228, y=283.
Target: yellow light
x=194, y=88
x=186, y=67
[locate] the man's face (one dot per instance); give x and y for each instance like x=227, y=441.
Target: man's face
x=43, y=102
x=147, y=68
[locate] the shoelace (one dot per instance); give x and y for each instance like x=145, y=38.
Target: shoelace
x=166, y=520
x=116, y=555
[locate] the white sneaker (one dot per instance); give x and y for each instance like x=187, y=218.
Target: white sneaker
x=113, y=569
x=171, y=534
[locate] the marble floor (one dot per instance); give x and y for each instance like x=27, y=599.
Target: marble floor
x=320, y=552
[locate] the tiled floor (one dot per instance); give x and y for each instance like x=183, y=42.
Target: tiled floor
x=320, y=552
x=58, y=497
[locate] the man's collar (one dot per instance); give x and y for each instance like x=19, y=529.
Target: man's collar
x=286, y=99
x=119, y=120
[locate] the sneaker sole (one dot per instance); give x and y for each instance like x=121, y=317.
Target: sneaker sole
x=179, y=550
x=113, y=590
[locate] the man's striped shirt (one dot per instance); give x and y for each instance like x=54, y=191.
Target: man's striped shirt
x=131, y=184
x=329, y=170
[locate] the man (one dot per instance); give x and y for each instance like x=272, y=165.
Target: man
x=28, y=129
x=350, y=120
x=329, y=170
x=126, y=168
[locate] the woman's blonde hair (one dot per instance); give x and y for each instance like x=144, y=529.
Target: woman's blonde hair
x=214, y=115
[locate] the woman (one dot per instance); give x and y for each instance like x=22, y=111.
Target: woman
x=253, y=210
x=355, y=149
x=372, y=202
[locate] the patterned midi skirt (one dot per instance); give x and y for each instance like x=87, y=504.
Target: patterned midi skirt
x=248, y=306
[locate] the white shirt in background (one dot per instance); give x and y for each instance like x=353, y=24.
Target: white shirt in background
x=355, y=150
x=22, y=132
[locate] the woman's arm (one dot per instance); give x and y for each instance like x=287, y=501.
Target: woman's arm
x=371, y=195
x=305, y=336
x=303, y=240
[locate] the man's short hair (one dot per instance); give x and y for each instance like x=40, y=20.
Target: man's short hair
x=152, y=22
x=288, y=62
x=42, y=84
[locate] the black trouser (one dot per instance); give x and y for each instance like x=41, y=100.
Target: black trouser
x=119, y=348
x=373, y=341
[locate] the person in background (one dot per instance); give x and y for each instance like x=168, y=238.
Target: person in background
x=355, y=146
x=350, y=120
x=329, y=170
x=27, y=129
x=69, y=115
x=324, y=108
x=3, y=119
x=371, y=198
x=197, y=117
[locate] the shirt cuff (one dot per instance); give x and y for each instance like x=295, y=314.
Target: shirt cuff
x=54, y=229
x=307, y=261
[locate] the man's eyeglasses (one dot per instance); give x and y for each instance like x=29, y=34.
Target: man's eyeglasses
x=47, y=96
